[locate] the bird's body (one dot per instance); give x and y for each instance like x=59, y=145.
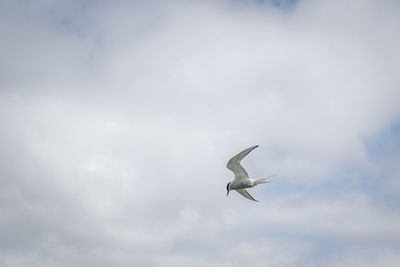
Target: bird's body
x=242, y=183
x=242, y=180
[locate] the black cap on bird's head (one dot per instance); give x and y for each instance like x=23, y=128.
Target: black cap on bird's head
x=227, y=188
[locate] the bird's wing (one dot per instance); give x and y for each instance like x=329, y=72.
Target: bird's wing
x=234, y=163
x=246, y=194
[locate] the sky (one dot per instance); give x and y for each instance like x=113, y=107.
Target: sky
x=118, y=118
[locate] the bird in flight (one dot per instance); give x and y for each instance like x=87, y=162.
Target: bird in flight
x=242, y=180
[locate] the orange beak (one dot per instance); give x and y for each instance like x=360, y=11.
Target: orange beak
x=227, y=193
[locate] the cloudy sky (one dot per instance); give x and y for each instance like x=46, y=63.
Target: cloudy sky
x=118, y=117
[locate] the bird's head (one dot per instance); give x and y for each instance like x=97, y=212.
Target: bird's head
x=228, y=188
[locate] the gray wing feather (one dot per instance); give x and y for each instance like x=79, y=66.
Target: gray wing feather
x=246, y=194
x=234, y=163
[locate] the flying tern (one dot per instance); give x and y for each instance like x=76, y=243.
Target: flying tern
x=242, y=180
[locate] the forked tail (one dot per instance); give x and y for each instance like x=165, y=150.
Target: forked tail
x=263, y=181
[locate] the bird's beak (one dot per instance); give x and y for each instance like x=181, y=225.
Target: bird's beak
x=227, y=193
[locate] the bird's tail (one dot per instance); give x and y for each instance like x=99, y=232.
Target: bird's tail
x=263, y=181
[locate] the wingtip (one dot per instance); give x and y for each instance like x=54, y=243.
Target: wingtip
x=253, y=147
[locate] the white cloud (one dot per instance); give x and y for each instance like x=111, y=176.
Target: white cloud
x=117, y=122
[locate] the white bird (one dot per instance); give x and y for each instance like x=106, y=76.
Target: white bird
x=242, y=179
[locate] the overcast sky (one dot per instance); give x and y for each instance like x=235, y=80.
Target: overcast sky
x=118, y=117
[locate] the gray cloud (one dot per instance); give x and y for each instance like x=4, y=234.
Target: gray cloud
x=117, y=122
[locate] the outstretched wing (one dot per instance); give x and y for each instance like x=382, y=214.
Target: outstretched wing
x=246, y=194
x=234, y=163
